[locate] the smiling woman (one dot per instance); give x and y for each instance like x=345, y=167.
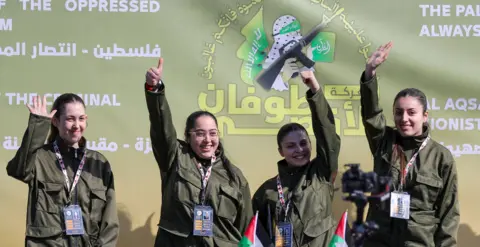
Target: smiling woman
x=72, y=202
x=424, y=208
x=197, y=177
x=298, y=201
x=69, y=121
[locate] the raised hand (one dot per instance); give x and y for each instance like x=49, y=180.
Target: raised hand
x=309, y=79
x=377, y=58
x=39, y=107
x=154, y=74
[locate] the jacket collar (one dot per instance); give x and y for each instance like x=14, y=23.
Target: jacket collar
x=284, y=169
x=67, y=150
x=412, y=142
x=407, y=143
x=207, y=162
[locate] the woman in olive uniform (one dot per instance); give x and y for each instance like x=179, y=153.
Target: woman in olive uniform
x=423, y=209
x=299, y=198
x=205, y=198
x=71, y=196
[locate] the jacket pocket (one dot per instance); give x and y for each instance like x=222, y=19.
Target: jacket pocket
x=187, y=187
x=421, y=229
x=49, y=197
x=228, y=202
x=426, y=190
x=98, y=200
x=316, y=227
x=43, y=232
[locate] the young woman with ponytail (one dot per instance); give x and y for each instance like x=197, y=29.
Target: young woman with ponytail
x=423, y=209
x=71, y=192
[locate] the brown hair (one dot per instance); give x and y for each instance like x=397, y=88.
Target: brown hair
x=287, y=129
x=413, y=92
x=59, y=105
x=398, y=154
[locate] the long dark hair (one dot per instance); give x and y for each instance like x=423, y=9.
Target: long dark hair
x=59, y=105
x=398, y=153
x=288, y=128
x=413, y=92
x=190, y=124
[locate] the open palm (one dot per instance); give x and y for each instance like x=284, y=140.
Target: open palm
x=379, y=56
x=39, y=107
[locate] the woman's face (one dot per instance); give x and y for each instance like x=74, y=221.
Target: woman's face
x=296, y=148
x=409, y=116
x=204, y=138
x=71, y=123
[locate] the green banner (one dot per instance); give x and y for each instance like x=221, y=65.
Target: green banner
x=213, y=52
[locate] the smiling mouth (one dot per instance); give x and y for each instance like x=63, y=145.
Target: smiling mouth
x=299, y=157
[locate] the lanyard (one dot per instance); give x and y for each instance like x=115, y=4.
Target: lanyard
x=281, y=198
x=205, y=177
x=64, y=170
x=410, y=163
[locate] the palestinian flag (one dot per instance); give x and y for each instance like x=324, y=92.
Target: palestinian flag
x=255, y=235
x=340, y=238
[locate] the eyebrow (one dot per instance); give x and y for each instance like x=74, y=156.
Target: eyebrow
x=398, y=108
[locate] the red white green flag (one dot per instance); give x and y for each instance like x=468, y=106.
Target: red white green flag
x=255, y=235
x=249, y=237
x=339, y=239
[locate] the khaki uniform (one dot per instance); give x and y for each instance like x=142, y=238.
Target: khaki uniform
x=35, y=164
x=181, y=187
x=309, y=187
x=431, y=183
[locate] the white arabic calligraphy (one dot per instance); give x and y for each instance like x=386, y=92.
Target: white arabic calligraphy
x=70, y=50
x=142, y=144
x=464, y=149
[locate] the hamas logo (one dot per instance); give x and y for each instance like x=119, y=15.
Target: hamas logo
x=258, y=54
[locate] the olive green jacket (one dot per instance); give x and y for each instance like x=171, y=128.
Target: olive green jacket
x=35, y=164
x=431, y=183
x=311, y=186
x=181, y=187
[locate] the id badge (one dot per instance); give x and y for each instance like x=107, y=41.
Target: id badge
x=400, y=205
x=283, y=234
x=203, y=221
x=73, y=220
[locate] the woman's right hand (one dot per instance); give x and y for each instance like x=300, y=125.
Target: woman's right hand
x=39, y=107
x=154, y=74
x=377, y=58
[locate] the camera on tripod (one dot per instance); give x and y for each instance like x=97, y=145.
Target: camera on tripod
x=356, y=183
x=355, y=180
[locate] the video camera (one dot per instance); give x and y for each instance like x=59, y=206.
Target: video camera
x=356, y=183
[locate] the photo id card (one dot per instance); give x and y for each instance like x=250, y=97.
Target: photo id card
x=400, y=205
x=283, y=234
x=73, y=220
x=203, y=221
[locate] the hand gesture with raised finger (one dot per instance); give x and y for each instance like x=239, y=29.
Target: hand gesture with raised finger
x=154, y=74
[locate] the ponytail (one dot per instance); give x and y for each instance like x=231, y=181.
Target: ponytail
x=227, y=165
x=399, y=155
x=53, y=134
